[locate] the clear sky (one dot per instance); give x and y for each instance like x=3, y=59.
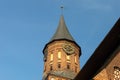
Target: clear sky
x=27, y=25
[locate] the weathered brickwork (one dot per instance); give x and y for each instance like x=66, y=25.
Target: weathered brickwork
x=110, y=68
x=59, y=63
x=102, y=75
x=108, y=72
x=57, y=78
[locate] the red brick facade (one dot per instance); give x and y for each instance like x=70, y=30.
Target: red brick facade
x=58, y=60
x=112, y=68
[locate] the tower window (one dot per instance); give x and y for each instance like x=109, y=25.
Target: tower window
x=75, y=68
x=116, y=73
x=51, y=57
x=51, y=68
x=59, y=65
x=59, y=54
x=52, y=78
x=75, y=59
x=68, y=57
x=68, y=66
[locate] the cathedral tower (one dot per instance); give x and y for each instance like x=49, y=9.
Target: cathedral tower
x=61, y=55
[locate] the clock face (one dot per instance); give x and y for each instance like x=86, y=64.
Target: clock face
x=68, y=48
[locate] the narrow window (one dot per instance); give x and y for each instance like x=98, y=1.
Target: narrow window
x=51, y=57
x=68, y=66
x=76, y=69
x=59, y=55
x=52, y=78
x=116, y=73
x=59, y=65
x=75, y=59
x=51, y=68
x=68, y=57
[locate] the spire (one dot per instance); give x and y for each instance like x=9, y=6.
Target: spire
x=62, y=31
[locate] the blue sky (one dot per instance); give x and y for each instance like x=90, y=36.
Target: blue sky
x=27, y=25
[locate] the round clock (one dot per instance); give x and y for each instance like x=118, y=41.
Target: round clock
x=68, y=48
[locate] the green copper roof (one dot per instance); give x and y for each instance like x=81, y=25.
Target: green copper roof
x=62, y=31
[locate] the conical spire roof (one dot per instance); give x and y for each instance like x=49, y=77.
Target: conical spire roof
x=62, y=31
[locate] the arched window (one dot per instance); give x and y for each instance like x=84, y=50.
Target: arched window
x=116, y=73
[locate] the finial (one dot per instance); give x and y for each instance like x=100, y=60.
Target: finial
x=62, y=7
